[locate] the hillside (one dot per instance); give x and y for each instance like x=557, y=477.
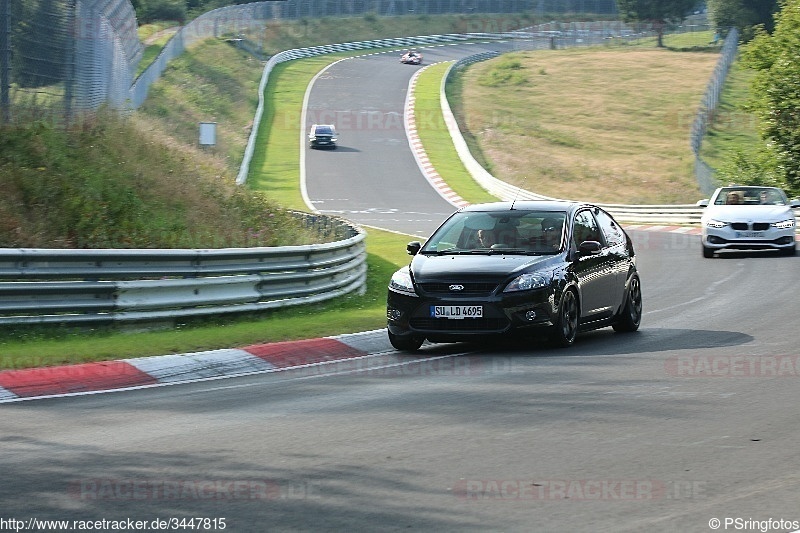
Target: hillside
x=603, y=125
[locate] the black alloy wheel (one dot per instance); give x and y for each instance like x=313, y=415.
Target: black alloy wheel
x=566, y=327
x=631, y=315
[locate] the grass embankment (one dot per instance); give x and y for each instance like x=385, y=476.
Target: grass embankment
x=111, y=184
x=605, y=125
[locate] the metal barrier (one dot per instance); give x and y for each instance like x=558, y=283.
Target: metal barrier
x=48, y=286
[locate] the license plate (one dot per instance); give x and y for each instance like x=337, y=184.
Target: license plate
x=749, y=234
x=456, y=311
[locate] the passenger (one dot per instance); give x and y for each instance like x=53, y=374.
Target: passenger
x=765, y=198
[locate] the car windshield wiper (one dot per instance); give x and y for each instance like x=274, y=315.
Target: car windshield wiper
x=448, y=251
x=513, y=251
x=482, y=251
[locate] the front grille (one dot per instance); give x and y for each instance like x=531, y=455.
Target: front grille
x=470, y=289
x=756, y=226
x=465, y=324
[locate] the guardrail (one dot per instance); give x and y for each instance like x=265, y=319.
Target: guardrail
x=48, y=286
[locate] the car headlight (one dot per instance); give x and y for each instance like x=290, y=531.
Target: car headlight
x=784, y=224
x=401, y=282
x=526, y=282
x=711, y=223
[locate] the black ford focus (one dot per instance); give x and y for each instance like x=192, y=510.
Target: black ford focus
x=542, y=268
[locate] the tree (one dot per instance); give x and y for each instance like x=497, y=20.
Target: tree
x=657, y=12
x=742, y=14
x=775, y=93
x=40, y=37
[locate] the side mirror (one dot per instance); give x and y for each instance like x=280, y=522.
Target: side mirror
x=413, y=247
x=589, y=248
x=702, y=203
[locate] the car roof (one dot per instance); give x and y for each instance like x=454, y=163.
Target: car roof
x=528, y=205
x=747, y=187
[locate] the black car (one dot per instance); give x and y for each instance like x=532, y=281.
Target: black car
x=550, y=268
x=322, y=136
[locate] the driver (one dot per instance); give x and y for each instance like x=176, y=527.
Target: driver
x=551, y=232
x=487, y=238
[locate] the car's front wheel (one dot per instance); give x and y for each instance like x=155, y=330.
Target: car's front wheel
x=631, y=315
x=406, y=343
x=566, y=328
x=708, y=252
x=789, y=251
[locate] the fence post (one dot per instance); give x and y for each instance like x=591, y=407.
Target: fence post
x=5, y=60
x=69, y=75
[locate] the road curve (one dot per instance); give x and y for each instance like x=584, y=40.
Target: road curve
x=372, y=178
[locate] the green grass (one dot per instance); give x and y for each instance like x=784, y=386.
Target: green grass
x=733, y=129
x=274, y=168
x=692, y=41
x=436, y=138
x=211, y=82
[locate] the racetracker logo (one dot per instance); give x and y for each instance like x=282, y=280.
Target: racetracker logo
x=172, y=490
x=733, y=366
x=560, y=489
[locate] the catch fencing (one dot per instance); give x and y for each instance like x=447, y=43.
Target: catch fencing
x=708, y=107
x=58, y=58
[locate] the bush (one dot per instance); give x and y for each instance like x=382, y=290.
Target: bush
x=164, y=10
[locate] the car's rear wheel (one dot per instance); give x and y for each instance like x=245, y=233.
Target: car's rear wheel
x=566, y=328
x=708, y=252
x=631, y=315
x=406, y=343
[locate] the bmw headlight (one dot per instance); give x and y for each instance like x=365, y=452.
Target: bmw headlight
x=401, y=282
x=711, y=223
x=784, y=224
x=526, y=282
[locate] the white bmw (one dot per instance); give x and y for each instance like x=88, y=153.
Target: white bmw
x=748, y=218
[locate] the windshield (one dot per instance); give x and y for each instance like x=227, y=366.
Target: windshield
x=521, y=232
x=750, y=196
